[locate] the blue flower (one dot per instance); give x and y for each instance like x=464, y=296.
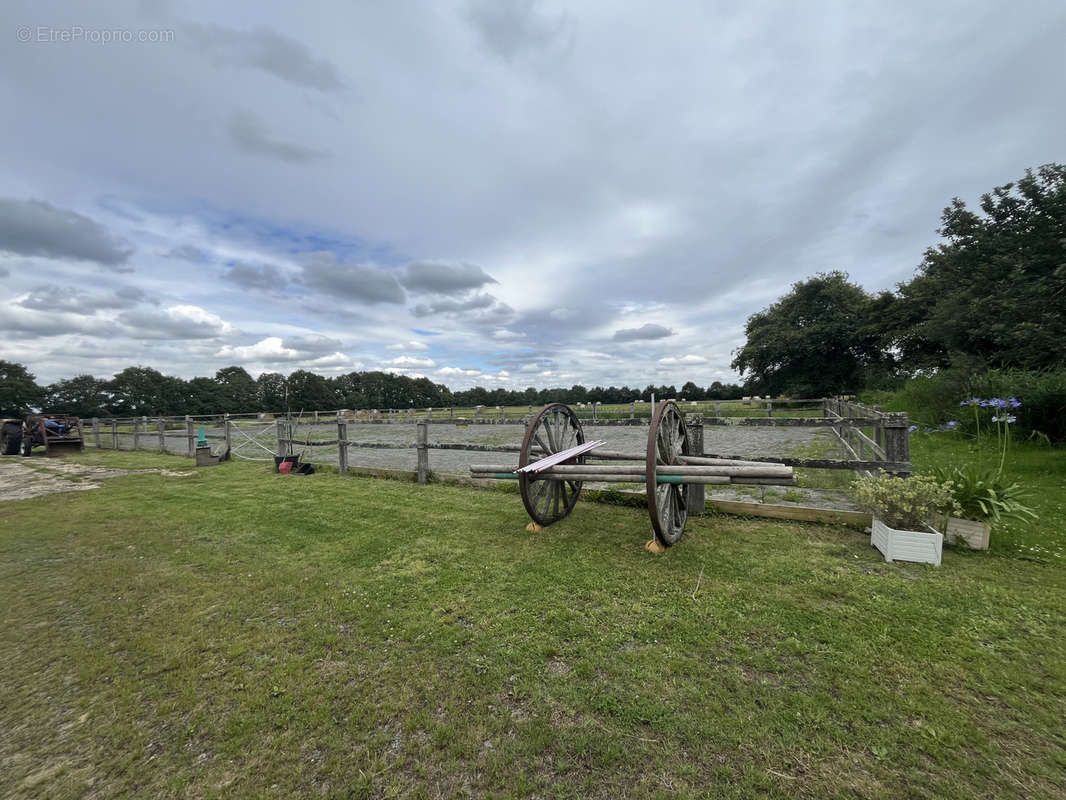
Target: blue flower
x=912, y=429
x=1011, y=419
x=1014, y=402
x=952, y=423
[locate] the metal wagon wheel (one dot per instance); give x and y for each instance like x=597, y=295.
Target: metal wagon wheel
x=667, y=502
x=555, y=428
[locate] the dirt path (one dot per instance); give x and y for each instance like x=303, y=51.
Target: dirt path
x=22, y=479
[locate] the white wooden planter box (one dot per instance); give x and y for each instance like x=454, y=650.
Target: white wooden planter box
x=975, y=534
x=896, y=545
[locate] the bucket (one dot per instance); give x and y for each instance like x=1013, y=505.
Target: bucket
x=285, y=464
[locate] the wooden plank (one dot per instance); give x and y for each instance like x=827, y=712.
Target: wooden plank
x=579, y=470
x=878, y=450
x=558, y=458
x=828, y=516
x=828, y=463
x=804, y=422
x=719, y=462
x=422, y=453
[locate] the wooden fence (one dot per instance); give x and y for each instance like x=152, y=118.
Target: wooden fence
x=871, y=439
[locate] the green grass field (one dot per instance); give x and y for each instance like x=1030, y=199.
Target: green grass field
x=241, y=634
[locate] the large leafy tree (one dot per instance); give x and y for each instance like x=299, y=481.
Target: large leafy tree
x=19, y=392
x=814, y=341
x=993, y=294
x=236, y=391
x=690, y=391
x=82, y=395
x=309, y=391
x=272, y=392
x=203, y=396
x=138, y=391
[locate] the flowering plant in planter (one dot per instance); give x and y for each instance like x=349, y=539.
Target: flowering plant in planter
x=1002, y=418
x=985, y=494
x=905, y=503
x=902, y=509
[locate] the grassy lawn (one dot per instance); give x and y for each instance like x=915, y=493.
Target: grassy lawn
x=241, y=634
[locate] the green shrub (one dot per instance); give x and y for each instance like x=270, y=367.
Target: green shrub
x=933, y=400
x=985, y=495
x=905, y=503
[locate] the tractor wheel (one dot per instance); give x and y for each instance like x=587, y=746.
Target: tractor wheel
x=11, y=439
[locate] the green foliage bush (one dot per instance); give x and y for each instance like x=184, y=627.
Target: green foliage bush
x=933, y=400
x=905, y=503
x=985, y=494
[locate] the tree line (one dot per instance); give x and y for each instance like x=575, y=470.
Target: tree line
x=989, y=296
x=143, y=391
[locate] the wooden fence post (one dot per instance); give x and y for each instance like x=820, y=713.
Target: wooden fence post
x=633, y=409
x=96, y=431
x=423, y=452
x=114, y=434
x=769, y=408
x=342, y=446
x=280, y=425
x=227, y=427
x=451, y=413
x=162, y=435
x=897, y=440
x=190, y=436
x=697, y=494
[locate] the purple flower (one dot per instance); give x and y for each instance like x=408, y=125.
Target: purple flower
x=1014, y=402
x=1011, y=419
x=995, y=419
x=912, y=429
x=952, y=423
x=973, y=401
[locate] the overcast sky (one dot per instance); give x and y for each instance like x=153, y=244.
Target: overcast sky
x=487, y=192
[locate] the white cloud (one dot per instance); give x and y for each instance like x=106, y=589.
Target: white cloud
x=457, y=371
x=176, y=322
x=412, y=345
x=273, y=350
x=411, y=361
x=683, y=361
